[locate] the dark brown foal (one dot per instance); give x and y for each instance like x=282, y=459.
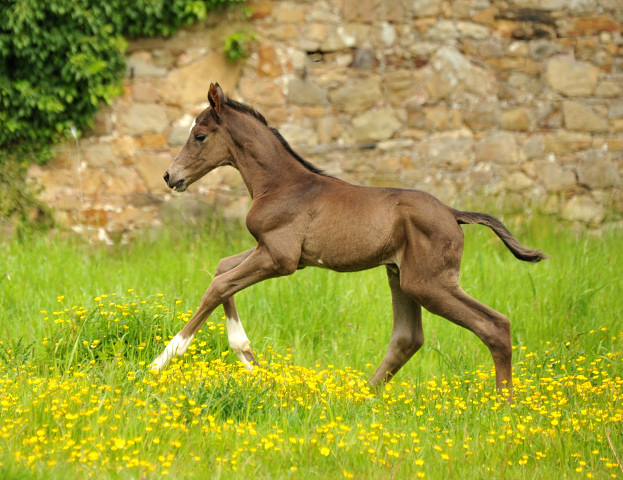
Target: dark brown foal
x=301, y=218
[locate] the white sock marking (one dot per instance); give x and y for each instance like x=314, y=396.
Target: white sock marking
x=238, y=340
x=177, y=346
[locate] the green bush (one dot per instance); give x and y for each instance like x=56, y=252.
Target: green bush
x=20, y=211
x=147, y=18
x=237, y=45
x=61, y=60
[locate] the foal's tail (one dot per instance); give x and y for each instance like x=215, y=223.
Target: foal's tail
x=521, y=252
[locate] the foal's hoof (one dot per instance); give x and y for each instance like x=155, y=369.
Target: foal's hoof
x=158, y=364
x=250, y=363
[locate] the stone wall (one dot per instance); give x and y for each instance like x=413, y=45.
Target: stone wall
x=516, y=105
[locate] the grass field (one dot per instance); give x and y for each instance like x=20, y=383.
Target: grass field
x=80, y=323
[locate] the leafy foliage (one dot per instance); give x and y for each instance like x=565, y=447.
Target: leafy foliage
x=157, y=17
x=61, y=60
x=20, y=211
x=237, y=45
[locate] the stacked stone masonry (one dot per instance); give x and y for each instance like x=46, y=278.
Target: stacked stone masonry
x=515, y=105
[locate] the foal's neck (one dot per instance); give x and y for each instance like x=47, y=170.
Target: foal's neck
x=262, y=160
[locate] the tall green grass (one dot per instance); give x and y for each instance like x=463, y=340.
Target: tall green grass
x=325, y=332
x=327, y=314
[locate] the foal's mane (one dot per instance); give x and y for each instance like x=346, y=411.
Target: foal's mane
x=243, y=108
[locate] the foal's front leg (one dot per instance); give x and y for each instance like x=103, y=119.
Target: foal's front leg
x=238, y=272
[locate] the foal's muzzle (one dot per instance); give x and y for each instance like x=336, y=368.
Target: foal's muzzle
x=173, y=184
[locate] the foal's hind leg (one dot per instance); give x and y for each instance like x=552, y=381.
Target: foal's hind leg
x=407, y=335
x=238, y=340
x=445, y=298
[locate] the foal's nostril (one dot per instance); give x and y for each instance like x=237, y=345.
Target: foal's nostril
x=166, y=177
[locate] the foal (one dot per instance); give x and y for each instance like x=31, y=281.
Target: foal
x=302, y=218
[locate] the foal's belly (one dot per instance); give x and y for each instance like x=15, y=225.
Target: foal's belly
x=348, y=249
x=354, y=228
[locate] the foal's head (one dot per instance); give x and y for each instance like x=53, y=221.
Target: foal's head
x=207, y=146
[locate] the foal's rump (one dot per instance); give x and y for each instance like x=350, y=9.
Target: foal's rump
x=419, y=217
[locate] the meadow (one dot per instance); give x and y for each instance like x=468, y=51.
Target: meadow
x=80, y=324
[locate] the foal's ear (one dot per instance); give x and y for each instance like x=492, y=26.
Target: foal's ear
x=215, y=96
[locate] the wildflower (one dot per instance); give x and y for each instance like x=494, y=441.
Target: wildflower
x=93, y=422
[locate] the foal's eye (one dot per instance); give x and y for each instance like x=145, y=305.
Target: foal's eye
x=200, y=137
